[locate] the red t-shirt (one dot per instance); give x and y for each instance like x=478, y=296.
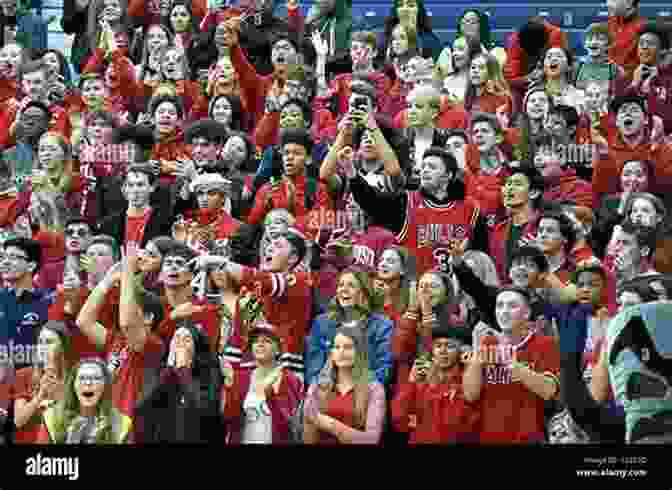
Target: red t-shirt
x=511, y=413
x=135, y=227
x=129, y=368
x=209, y=320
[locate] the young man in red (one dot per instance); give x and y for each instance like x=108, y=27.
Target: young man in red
x=433, y=395
x=285, y=295
x=512, y=374
x=295, y=192
x=652, y=79
x=133, y=351
x=177, y=275
x=486, y=166
x=212, y=221
x=521, y=193
x=140, y=222
x=424, y=221
x=632, y=142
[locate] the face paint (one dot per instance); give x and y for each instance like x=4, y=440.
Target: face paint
x=89, y=385
x=510, y=310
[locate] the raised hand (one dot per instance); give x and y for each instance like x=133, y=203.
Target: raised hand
x=321, y=46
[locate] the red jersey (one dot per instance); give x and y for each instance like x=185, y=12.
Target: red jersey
x=511, y=413
x=128, y=368
x=286, y=301
x=441, y=413
x=427, y=229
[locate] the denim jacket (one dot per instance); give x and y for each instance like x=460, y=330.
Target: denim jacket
x=321, y=338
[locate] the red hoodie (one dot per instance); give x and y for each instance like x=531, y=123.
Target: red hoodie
x=440, y=412
x=607, y=167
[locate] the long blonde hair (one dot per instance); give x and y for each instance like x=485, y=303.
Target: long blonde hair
x=362, y=376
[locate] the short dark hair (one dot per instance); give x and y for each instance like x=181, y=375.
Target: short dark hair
x=566, y=227
x=142, y=168
x=40, y=105
x=32, y=67
x=151, y=303
x=533, y=176
x=526, y=295
x=157, y=101
x=657, y=30
x=532, y=253
x=533, y=36
x=75, y=220
x=568, y=113
x=446, y=157
x=303, y=105
x=297, y=136
x=209, y=129
x=32, y=249
x=489, y=118
x=108, y=241
x=645, y=236
x=88, y=77
x=180, y=249
x=457, y=132
x=362, y=85
x=298, y=244
x=621, y=100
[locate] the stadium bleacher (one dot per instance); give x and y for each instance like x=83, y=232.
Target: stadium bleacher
x=505, y=15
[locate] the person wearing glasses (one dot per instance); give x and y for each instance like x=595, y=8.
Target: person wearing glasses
x=86, y=415
x=23, y=308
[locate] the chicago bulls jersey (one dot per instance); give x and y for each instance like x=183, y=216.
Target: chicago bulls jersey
x=429, y=227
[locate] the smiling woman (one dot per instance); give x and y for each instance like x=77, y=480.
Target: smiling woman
x=86, y=415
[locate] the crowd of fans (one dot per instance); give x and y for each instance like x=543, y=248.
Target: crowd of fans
x=244, y=225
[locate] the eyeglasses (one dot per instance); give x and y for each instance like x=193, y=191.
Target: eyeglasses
x=14, y=257
x=91, y=380
x=82, y=232
x=176, y=263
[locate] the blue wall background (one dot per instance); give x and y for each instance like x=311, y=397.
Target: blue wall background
x=504, y=15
